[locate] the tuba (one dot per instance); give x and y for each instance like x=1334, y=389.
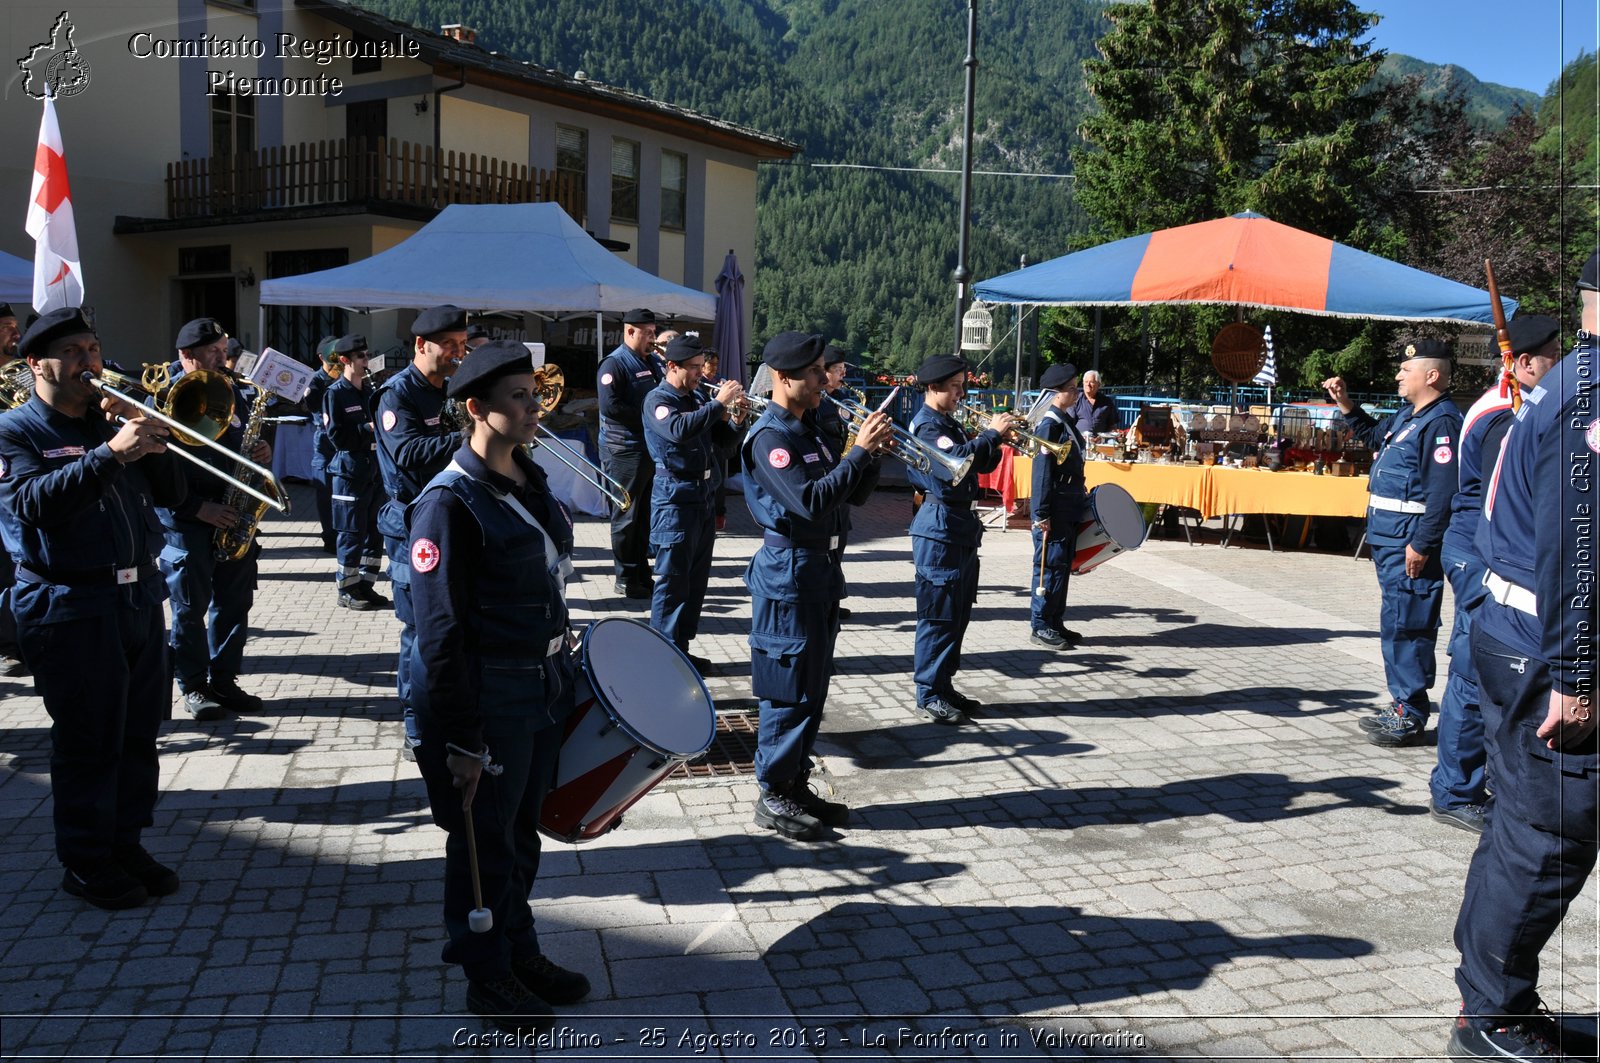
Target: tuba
x=16, y=384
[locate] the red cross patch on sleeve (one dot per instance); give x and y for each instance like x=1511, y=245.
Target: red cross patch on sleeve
x=389, y=420
x=779, y=458
x=424, y=555
x=1441, y=455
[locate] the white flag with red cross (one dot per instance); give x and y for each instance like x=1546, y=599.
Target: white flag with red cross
x=57, y=275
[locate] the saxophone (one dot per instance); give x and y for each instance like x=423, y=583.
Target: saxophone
x=231, y=544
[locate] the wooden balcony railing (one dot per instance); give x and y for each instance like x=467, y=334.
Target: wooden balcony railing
x=324, y=172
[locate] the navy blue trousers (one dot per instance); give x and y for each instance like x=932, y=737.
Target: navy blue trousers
x=1050, y=608
x=359, y=546
x=1540, y=844
x=683, y=538
x=105, y=684
x=791, y=665
x=211, y=602
x=630, y=529
x=1458, y=776
x=1408, y=626
x=947, y=586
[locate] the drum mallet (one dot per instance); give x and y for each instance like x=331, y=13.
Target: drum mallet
x=480, y=920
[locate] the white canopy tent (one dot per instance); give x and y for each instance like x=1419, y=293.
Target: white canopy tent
x=494, y=257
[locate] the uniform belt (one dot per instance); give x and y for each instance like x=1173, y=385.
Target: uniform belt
x=786, y=543
x=966, y=506
x=665, y=475
x=1395, y=505
x=90, y=577
x=1505, y=592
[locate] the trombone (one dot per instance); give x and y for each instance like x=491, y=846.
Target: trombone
x=551, y=383
x=913, y=452
x=199, y=406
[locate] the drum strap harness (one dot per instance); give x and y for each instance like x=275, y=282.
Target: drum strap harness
x=482, y=758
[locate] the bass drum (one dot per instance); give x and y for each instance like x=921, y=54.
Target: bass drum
x=1115, y=525
x=642, y=710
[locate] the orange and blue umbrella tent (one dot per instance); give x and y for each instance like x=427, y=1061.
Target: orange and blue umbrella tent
x=1243, y=260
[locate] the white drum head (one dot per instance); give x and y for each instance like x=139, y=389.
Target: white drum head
x=1119, y=515
x=649, y=687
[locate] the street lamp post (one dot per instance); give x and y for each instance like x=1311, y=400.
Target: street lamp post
x=962, y=274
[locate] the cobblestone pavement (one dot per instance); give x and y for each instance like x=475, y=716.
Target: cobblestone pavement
x=1170, y=843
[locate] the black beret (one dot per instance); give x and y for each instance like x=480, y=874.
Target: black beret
x=639, y=317
x=1589, y=279
x=199, y=332
x=1427, y=349
x=941, y=367
x=683, y=348
x=6, y=311
x=476, y=329
x=67, y=321
x=438, y=319
x=486, y=364
x=1058, y=376
x=789, y=352
x=1529, y=332
x=832, y=355
x=350, y=344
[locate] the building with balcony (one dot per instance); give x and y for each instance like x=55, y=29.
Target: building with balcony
x=212, y=144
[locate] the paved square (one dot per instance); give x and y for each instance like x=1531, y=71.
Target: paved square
x=1169, y=843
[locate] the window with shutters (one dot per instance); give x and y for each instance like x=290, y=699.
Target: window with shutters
x=625, y=181
x=674, y=189
x=572, y=171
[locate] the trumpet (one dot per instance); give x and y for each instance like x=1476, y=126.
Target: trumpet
x=913, y=452
x=746, y=408
x=1018, y=435
x=197, y=407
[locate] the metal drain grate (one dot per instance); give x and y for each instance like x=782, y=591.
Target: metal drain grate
x=732, y=752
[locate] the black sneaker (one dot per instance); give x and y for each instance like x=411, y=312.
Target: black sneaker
x=508, y=1004
x=702, y=665
x=1519, y=1040
x=1397, y=730
x=158, y=879
x=368, y=594
x=351, y=600
x=11, y=666
x=203, y=706
x=844, y=614
x=831, y=813
x=784, y=815
x=544, y=979
x=1069, y=634
x=939, y=710
x=1472, y=818
x=638, y=593
x=1050, y=637
x=1377, y=717
x=970, y=706
x=233, y=698
x=107, y=886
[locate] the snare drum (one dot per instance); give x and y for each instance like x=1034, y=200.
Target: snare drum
x=1114, y=525
x=642, y=710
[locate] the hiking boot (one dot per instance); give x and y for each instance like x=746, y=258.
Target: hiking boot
x=368, y=594
x=939, y=710
x=702, y=665
x=1472, y=818
x=1375, y=719
x=107, y=885
x=1069, y=634
x=158, y=879
x=544, y=979
x=350, y=600
x=1535, y=1038
x=203, y=706
x=233, y=698
x=1050, y=638
x=509, y=1004
x=784, y=815
x=1397, y=730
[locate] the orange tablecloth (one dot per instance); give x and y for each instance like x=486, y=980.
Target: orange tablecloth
x=1214, y=491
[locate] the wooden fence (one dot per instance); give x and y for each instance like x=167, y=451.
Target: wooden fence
x=358, y=170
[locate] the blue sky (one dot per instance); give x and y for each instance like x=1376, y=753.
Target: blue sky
x=1522, y=43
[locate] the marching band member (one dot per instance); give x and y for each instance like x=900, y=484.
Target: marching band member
x=211, y=598
x=682, y=435
x=1058, y=504
x=414, y=443
x=834, y=430
x=10, y=653
x=1533, y=642
x=88, y=605
x=321, y=445
x=493, y=683
x=623, y=379
x=796, y=487
x=356, y=492
x=1412, y=481
x=725, y=452
x=944, y=538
